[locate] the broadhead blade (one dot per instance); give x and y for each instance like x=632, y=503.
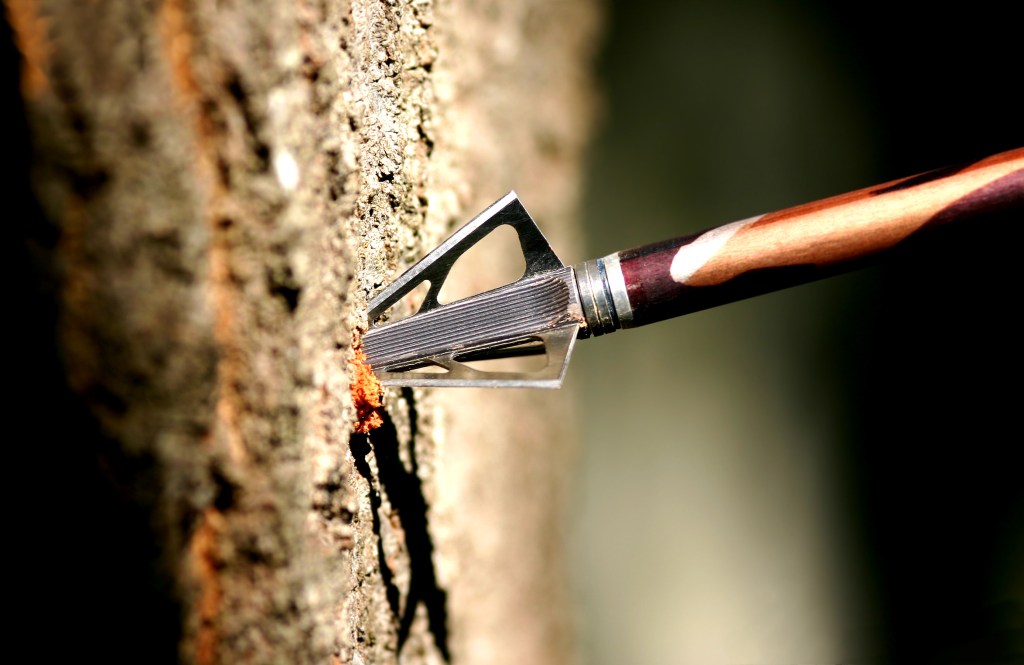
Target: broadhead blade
x=538, y=314
x=529, y=316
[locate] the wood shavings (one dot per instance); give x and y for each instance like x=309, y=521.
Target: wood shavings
x=367, y=394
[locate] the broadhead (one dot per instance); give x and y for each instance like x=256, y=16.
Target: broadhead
x=437, y=346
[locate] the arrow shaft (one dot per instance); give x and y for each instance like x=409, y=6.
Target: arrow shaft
x=796, y=245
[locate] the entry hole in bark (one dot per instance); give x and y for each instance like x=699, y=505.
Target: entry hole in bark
x=495, y=261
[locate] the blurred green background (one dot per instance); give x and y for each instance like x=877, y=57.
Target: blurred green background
x=826, y=474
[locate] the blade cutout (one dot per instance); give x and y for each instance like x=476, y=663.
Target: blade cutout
x=556, y=346
x=493, y=261
x=410, y=303
x=524, y=358
x=435, y=266
x=429, y=368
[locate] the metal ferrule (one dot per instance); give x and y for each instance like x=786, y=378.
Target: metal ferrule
x=603, y=296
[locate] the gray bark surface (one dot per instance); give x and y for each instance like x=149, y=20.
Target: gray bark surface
x=217, y=188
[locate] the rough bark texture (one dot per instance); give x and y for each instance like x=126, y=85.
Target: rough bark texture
x=219, y=187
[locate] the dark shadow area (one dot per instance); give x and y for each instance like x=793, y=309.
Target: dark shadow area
x=933, y=438
x=933, y=421
x=87, y=564
x=360, y=446
x=405, y=493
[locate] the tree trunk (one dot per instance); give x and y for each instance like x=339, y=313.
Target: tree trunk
x=217, y=189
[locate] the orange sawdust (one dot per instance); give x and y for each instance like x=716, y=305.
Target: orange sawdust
x=366, y=395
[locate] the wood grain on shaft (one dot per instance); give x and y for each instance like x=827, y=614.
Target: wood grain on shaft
x=815, y=240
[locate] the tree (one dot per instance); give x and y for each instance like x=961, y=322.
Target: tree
x=216, y=189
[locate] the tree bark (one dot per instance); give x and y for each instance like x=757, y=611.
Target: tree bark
x=217, y=189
